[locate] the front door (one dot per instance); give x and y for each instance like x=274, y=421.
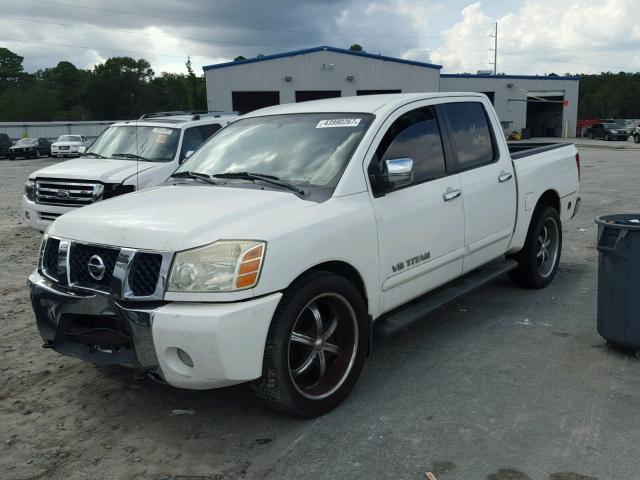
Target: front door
x=420, y=224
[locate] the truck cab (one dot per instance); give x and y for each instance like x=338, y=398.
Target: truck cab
x=127, y=156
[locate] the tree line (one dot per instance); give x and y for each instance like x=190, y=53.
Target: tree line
x=124, y=88
x=119, y=88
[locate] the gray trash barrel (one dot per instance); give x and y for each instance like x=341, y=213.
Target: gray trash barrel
x=619, y=279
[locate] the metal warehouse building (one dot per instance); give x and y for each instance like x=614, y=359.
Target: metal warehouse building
x=542, y=106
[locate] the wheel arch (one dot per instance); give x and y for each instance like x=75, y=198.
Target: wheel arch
x=550, y=198
x=343, y=269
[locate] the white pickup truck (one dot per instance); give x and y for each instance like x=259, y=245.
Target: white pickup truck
x=276, y=251
x=127, y=156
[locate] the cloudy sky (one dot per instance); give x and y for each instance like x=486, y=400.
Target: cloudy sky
x=534, y=36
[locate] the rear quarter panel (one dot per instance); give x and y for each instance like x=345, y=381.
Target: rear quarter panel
x=554, y=170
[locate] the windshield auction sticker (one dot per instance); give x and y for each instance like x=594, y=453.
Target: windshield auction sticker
x=162, y=131
x=338, y=122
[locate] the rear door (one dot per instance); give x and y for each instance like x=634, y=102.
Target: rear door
x=486, y=178
x=421, y=224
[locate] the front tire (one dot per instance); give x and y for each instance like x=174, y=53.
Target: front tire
x=607, y=137
x=636, y=138
x=316, y=346
x=539, y=258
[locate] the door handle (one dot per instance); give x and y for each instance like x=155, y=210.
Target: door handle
x=504, y=176
x=451, y=193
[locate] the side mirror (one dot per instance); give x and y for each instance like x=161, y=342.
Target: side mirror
x=397, y=172
x=82, y=149
x=185, y=156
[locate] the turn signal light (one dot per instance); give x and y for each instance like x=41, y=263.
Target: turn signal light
x=250, y=266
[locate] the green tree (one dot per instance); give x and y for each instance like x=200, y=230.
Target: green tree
x=11, y=69
x=356, y=48
x=118, y=88
x=239, y=58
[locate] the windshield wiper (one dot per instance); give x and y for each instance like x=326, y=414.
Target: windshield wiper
x=195, y=175
x=131, y=155
x=272, y=179
x=94, y=154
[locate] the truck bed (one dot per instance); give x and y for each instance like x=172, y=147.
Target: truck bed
x=525, y=149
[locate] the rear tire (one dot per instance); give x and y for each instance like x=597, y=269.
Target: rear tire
x=316, y=346
x=539, y=258
x=591, y=136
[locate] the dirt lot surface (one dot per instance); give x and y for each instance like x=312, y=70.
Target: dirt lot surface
x=505, y=383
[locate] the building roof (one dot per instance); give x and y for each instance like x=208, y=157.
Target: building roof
x=522, y=77
x=321, y=49
x=357, y=104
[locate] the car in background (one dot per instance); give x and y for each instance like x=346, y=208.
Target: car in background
x=608, y=131
x=68, y=146
x=30, y=148
x=128, y=156
x=5, y=144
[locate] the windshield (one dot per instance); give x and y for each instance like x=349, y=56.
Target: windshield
x=306, y=149
x=69, y=138
x=156, y=144
x=26, y=141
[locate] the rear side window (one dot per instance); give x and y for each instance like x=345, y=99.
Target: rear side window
x=208, y=130
x=470, y=134
x=414, y=135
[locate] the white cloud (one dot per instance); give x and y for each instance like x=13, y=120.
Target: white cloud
x=543, y=36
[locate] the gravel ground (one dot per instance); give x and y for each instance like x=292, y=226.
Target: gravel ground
x=505, y=383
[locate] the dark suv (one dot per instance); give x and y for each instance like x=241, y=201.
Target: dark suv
x=5, y=143
x=608, y=131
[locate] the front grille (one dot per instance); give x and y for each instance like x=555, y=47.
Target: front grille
x=50, y=258
x=79, y=271
x=72, y=193
x=144, y=274
x=63, y=148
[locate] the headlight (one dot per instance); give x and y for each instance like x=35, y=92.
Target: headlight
x=223, y=266
x=30, y=189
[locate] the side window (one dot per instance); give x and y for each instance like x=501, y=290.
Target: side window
x=414, y=135
x=191, y=141
x=470, y=134
x=208, y=130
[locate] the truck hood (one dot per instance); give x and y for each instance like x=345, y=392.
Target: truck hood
x=174, y=218
x=97, y=169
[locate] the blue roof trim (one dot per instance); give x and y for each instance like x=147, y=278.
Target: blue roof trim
x=320, y=49
x=522, y=77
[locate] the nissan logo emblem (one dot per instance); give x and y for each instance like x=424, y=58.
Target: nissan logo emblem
x=96, y=267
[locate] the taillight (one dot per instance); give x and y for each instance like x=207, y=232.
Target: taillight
x=578, y=164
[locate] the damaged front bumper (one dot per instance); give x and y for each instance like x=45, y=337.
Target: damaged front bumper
x=187, y=345
x=94, y=327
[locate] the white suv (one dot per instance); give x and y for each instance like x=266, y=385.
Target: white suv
x=128, y=156
x=67, y=146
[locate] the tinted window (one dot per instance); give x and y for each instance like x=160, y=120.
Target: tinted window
x=470, y=134
x=193, y=138
x=208, y=130
x=414, y=135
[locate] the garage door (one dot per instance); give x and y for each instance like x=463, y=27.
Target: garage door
x=306, y=95
x=544, y=116
x=244, y=102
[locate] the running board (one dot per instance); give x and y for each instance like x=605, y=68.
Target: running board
x=405, y=316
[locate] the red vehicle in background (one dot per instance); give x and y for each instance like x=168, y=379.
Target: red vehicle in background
x=583, y=125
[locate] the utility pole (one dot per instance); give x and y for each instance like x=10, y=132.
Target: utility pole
x=495, y=50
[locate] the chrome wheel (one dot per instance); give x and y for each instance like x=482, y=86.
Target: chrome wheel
x=322, y=346
x=547, y=250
